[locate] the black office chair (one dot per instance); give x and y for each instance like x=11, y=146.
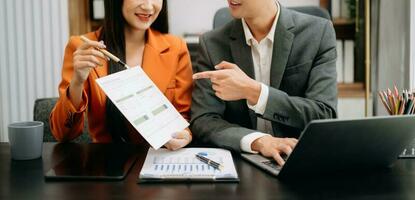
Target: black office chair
x=223, y=15
x=42, y=109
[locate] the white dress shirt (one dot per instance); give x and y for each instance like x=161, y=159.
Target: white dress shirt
x=262, y=58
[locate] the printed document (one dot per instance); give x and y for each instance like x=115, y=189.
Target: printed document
x=144, y=105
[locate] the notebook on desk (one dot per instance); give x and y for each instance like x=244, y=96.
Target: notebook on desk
x=182, y=165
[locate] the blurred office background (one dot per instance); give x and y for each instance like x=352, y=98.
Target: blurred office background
x=373, y=54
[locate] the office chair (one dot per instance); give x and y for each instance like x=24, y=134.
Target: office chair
x=223, y=15
x=42, y=109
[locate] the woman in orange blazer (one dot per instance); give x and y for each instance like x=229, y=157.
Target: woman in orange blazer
x=135, y=31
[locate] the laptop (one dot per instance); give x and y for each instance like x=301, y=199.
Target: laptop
x=409, y=151
x=329, y=146
x=76, y=161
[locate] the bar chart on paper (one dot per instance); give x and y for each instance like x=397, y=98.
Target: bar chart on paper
x=183, y=164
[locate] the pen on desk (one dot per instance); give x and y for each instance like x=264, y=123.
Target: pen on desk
x=210, y=162
x=106, y=53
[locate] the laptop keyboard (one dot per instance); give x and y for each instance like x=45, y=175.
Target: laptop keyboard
x=273, y=164
x=408, y=152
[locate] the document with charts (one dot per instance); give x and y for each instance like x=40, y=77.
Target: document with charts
x=165, y=165
x=143, y=104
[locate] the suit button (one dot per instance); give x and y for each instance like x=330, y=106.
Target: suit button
x=277, y=117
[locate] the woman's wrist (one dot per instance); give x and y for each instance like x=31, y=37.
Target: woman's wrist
x=75, y=93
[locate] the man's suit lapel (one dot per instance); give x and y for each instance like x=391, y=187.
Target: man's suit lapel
x=283, y=40
x=241, y=54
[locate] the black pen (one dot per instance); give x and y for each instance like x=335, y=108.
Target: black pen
x=210, y=162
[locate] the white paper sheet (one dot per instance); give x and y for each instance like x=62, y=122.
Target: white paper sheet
x=144, y=105
x=183, y=164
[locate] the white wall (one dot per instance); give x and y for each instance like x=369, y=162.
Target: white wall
x=33, y=35
x=196, y=16
x=192, y=16
x=412, y=48
x=393, y=47
x=300, y=2
x=349, y=108
x=353, y=107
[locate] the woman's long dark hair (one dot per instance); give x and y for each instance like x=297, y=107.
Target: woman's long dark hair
x=112, y=34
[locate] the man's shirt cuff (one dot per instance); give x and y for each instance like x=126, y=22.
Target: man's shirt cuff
x=247, y=140
x=259, y=108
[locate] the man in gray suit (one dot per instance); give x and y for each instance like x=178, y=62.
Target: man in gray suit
x=262, y=77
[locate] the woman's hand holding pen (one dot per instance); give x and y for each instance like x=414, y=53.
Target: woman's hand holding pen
x=84, y=58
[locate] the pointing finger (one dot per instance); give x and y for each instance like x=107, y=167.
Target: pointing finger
x=209, y=75
x=203, y=75
x=225, y=65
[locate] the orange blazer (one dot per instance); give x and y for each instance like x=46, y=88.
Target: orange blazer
x=166, y=61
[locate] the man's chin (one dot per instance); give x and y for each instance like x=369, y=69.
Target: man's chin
x=236, y=15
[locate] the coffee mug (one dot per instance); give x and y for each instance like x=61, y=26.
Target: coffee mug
x=26, y=140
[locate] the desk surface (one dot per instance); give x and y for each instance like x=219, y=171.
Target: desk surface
x=24, y=180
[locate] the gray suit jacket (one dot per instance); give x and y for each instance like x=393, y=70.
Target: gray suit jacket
x=302, y=80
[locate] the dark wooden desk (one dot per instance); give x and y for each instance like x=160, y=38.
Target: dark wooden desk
x=24, y=180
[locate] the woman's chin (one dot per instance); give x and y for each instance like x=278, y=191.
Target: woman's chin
x=140, y=27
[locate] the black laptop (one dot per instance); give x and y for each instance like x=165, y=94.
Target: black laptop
x=329, y=146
